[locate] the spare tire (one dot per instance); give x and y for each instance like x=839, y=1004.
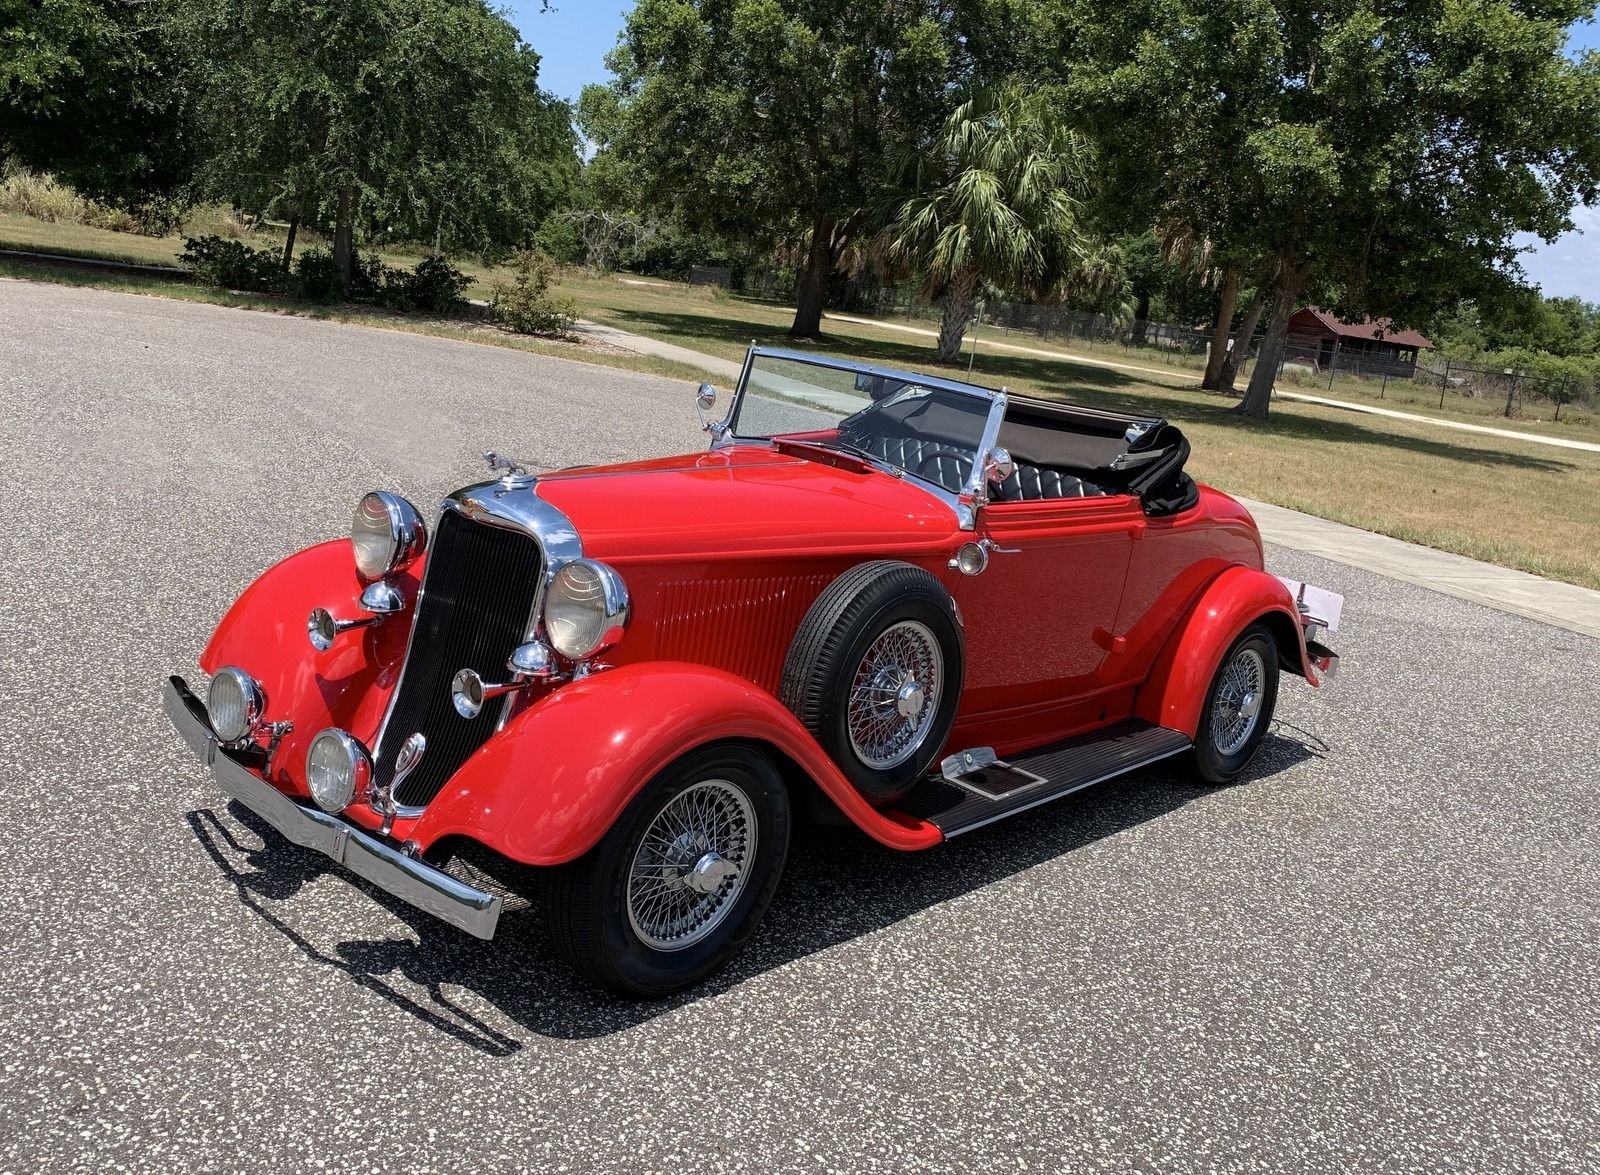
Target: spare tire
x=875, y=674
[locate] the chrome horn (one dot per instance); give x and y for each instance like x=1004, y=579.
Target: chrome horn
x=529, y=664
x=379, y=599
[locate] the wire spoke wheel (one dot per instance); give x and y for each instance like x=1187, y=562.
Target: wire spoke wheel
x=691, y=865
x=894, y=695
x=1237, y=708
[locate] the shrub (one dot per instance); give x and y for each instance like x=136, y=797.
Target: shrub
x=316, y=278
x=217, y=261
x=45, y=198
x=525, y=306
x=436, y=285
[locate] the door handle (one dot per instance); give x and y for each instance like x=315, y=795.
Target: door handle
x=995, y=548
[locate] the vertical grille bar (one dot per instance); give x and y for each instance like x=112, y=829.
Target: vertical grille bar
x=476, y=598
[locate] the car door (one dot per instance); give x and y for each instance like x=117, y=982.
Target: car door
x=1039, y=618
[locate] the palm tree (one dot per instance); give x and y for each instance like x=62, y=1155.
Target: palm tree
x=997, y=200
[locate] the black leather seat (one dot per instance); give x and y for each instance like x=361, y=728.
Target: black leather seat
x=933, y=460
x=1029, y=483
x=951, y=468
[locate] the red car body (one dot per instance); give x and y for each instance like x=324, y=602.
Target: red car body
x=1092, y=611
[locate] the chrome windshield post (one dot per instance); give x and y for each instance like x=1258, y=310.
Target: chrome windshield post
x=975, y=494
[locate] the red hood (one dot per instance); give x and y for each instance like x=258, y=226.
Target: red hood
x=743, y=499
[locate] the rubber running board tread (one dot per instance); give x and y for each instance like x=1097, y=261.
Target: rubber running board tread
x=1066, y=767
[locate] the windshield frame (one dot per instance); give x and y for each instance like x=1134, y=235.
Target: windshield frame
x=971, y=495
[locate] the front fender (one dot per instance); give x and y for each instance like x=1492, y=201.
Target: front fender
x=546, y=788
x=264, y=633
x=1175, y=692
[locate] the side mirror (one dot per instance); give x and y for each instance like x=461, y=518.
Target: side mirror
x=998, y=466
x=705, y=399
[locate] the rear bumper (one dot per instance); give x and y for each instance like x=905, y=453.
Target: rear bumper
x=407, y=878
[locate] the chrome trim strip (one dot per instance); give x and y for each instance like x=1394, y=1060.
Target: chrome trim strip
x=512, y=507
x=421, y=885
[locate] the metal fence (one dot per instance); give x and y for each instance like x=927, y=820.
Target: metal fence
x=1488, y=390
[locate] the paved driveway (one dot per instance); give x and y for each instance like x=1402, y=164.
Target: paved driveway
x=1378, y=954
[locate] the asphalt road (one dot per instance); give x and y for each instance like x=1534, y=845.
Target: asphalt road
x=1377, y=954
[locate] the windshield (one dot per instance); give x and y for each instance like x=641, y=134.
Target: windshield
x=929, y=430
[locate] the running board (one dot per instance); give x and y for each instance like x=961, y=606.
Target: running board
x=962, y=803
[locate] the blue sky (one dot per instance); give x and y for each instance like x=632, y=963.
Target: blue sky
x=575, y=36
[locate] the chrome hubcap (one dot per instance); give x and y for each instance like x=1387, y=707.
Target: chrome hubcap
x=895, y=695
x=1237, y=709
x=691, y=865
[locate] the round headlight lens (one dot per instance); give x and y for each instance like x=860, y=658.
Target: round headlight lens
x=586, y=610
x=337, y=770
x=234, y=704
x=386, y=534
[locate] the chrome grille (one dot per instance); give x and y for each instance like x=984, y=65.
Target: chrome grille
x=477, y=597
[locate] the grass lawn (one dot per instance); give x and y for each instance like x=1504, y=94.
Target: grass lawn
x=1519, y=504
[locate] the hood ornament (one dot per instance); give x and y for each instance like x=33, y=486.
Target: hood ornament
x=512, y=472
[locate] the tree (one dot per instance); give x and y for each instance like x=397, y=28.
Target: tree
x=769, y=120
x=1390, y=152
x=100, y=94
x=422, y=118
x=997, y=200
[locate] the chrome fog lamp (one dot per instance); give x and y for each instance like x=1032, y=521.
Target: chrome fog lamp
x=386, y=534
x=234, y=703
x=338, y=769
x=586, y=609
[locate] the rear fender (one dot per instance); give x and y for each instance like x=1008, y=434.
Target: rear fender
x=1175, y=692
x=264, y=633
x=546, y=788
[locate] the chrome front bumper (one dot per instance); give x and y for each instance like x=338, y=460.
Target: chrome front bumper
x=407, y=878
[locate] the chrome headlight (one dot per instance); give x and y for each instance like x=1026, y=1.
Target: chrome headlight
x=234, y=703
x=338, y=770
x=586, y=610
x=387, y=534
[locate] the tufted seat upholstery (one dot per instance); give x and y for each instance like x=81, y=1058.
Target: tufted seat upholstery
x=930, y=459
x=938, y=462
x=1031, y=482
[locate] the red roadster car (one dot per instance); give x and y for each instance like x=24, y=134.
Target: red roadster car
x=903, y=601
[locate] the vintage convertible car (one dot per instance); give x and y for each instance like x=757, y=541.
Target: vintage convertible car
x=902, y=601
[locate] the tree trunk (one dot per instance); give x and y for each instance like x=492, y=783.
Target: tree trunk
x=956, y=314
x=1219, y=332
x=1241, y=342
x=1258, y=396
x=343, y=234
x=1141, y=320
x=813, y=288
x=288, y=241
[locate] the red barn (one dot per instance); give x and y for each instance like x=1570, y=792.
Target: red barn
x=1318, y=339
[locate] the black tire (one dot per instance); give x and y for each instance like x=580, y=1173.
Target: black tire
x=586, y=902
x=835, y=635
x=1217, y=761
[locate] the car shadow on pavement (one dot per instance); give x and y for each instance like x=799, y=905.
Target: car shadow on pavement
x=837, y=886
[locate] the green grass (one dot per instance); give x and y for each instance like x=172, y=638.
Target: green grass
x=1516, y=503
x=462, y=330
